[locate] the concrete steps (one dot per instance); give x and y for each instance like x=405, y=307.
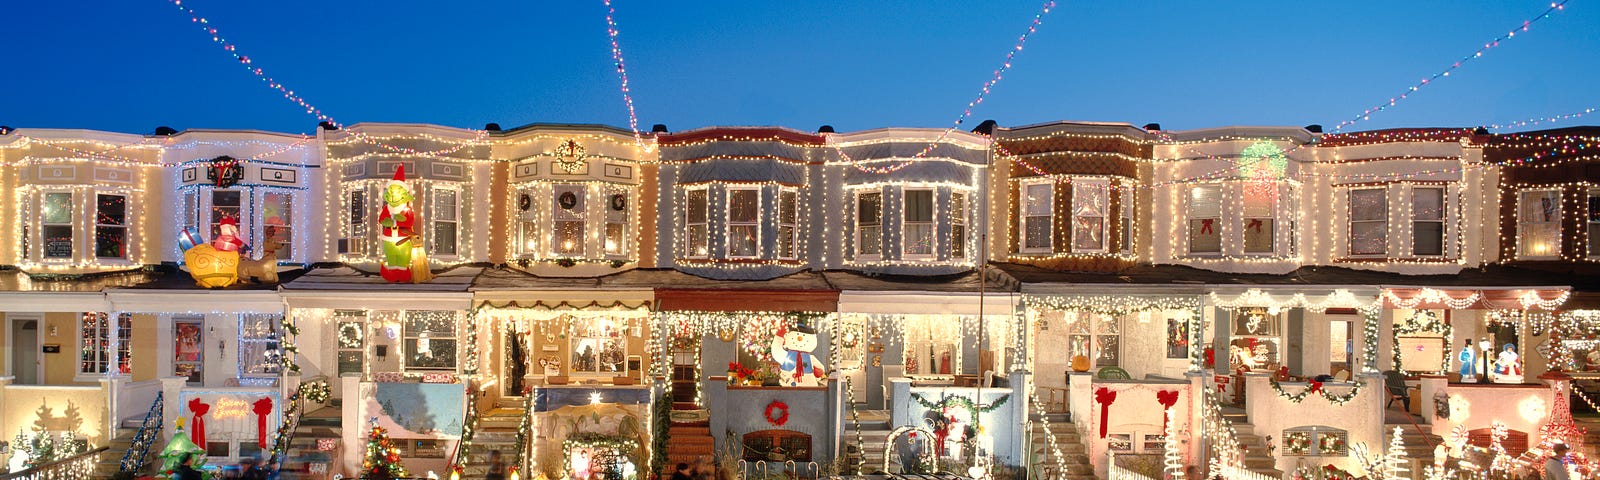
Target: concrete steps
x=1072, y=464
x=1256, y=456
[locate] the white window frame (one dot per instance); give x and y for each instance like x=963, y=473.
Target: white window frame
x=44, y=226
x=792, y=224
x=1592, y=243
x=618, y=219
x=356, y=230
x=1079, y=206
x=1443, y=221
x=102, y=349
x=253, y=343
x=1218, y=221
x=932, y=224
x=704, y=224
x=213, y=222
x=959, y=208
x=1270, y=220
x=1025, y=217
x=1126, y=204
x=860, y=230
x=1350, y=222
x=436, y=221
x=727, y=230
x=287, y=251
x=581, y=333
x=579, y=215
x=1093, y=335
x=1522, y=233
x=359, y=319
x=127, y=220
x=407, y=334
x=199, y=321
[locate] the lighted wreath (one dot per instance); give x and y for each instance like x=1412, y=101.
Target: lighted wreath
x=777, y=413
x=1423, y=321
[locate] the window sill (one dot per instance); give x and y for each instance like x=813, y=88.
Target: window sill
x=95, y=377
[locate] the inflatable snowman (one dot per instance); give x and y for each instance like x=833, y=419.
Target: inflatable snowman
x=793, y=348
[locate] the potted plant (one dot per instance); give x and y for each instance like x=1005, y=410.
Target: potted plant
x=769, y=376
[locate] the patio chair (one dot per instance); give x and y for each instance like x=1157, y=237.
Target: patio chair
x=1342, y=376
x=1112, y=373
x=1395, y=382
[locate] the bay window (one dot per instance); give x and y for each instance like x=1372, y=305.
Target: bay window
x=869, y=223
x=1260, y=205
x=1539, y=223
x=1091, y=200
x=616, y=224
x=958, y=225
x=1369, y=221
x=788, y=231
x=569, y=219
x=1205, y=219
x=1427, y=221
x=744, y=222
x=55, y=223
x=917, y=211
x=694, y=220
x=111, y=226
x=446, y=218
x=1038, y=207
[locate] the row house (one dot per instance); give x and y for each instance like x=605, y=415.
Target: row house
x=881, y=299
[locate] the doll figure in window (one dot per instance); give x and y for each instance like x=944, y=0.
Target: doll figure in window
x=793, y=348
x=1508, y=365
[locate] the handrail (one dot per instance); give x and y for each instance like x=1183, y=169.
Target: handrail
x=524, y=433
x=144, y=438
x=318, y=389
x=1426, y=436
x=463, y=453
x=70, y=467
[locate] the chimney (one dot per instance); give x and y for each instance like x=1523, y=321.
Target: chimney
x=825, y=129
x=1314, y=128
x=985, y=128
x=491, y=126
x=658, y=128
x=1152, y=127
x=165, y=131
x=327, y=126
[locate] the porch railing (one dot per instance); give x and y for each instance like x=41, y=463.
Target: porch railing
x=149, y=429
x=524, y=434
x=1238, y=473
x=463, y=453
x=1116, y=472
x=316, y=389
x=76, y=466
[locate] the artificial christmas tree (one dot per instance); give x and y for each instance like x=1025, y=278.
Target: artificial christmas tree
x=1394, y=461
x=1172, y=468
x=179, y=447
x=382, y=461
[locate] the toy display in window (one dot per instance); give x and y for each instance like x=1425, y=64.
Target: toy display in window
x=1508, y=365
x=793, y=348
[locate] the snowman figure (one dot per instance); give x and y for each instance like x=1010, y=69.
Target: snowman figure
x=792, y=348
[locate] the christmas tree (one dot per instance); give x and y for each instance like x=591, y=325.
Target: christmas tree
x=179, y=447
x=1172, y=467
x=383, y=459
x=1394, y=461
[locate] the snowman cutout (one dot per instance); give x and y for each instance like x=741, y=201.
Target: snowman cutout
x=792, y=348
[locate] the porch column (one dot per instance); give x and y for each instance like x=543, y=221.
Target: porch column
x=1431, y=385
x=353, y=424
x=171, y=408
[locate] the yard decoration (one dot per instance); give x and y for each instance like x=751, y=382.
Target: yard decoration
x=402, y=247
x=792, y=347
x=214, y=264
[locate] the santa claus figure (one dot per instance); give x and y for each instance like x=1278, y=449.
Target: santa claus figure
x=398, y=234
x=792, y=348
x=228, y=236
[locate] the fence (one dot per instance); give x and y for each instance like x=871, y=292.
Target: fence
x=70, y=468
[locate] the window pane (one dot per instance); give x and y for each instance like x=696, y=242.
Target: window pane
x=600, y=355
x=110, y=210
x=1258, y=235
x=919, y=205
x=1428, y=238
x=786, y=241
x=1205, y=235
x=444, y=205
x=1087, y=233
x=569, y=237
x=614, y=238
x=225, y=204
x=697, y=240
x=1090, y=198
x=958, y=208
x=869, y=208
x=871, y=240
x=617, y=207
x=695, y=204
x=444, y=238
x=1427, y=204
x=1370, y=204
x=958, y=240
x=1594, y=207
x=1259, y=199
x=742, y=240
x=277, y=220
x=1036, y=232
x=1539, y=218
x=569, y=202
x=110, y=242
x=1205, y=201
x=351, y=335
x=1369, y=238
x=743, y=205
x=57, y=241
x=1106, y=350
x=57, y=208
x=430, y=340
x=786, y=206
x=1038, y=199
x=919, y=239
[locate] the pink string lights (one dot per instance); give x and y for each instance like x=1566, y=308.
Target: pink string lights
x=622, y=71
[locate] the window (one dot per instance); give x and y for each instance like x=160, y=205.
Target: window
x=1539, y=224
x=1177, y=337
x=1260, y=204
x=356, y=223
x=277, y=222
x=352, y=339
x=1427, y=221
x=1091, y=199
x=958, y=225
x=1369, y=221
x=94, y=343
x=600, y=347
x=569, y=220
x=225, y=204
x=55, y=219
x=694, y=220
x=527, y=222
x=744, y=222
x=869, y=223
x=446, y=215
x=1594, y=223
x=260, y=345
x=1037, y=205
x=1126, y=209
x=933, y=345
x=1094, y=336
x=918, y=212
x=430, y=340
x=1254, y=340
x=788, y=232
x=1205, y=219
x=617, y=223
x=111, y=226
x=188, y=344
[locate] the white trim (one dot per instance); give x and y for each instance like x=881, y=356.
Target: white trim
x=855, y=221
x=728, y=224
x=933, y=222
x=1350, y=222
x=38, y=218
x=1105, y=216
x=706, y=225
x=1022, y=216
x=1519, y=235
x=38, y=344
x=794, y=227
x=433, y=221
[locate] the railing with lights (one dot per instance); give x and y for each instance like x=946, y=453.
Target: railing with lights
x=463, y=453
x=139, y=450
x=71, y=468
x=524, y=435
x=317, y=391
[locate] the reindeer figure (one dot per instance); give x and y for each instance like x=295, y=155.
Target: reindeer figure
x=264, y=270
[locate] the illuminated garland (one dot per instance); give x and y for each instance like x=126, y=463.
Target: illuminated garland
x=972, y=407
x=316, y=392
x=1367, y=114
x=290, y=331
x=1323, y=392
x=1434, y=324
x=1536, y=121
x=1109, y=304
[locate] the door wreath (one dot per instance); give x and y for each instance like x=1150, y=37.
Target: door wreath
x=778, y=413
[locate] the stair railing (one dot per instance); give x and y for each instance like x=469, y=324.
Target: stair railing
x=139, y=450
x=316, y=390
x=469, y=428
x=76, y=466
x=525, y=433
x=1426, y=436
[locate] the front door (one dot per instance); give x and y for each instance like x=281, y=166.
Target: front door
x=25, y=350
x=516, y=362
x=683, y=369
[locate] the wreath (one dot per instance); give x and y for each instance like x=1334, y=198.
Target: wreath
x=619, y=202
x=567, y=200
x=225, y=171
x=777, y=413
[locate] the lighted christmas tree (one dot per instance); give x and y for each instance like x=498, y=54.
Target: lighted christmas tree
x=1173, y=461
x=1561, y=428
x=179, y=447
x=1502, y=461
x=382, y=461
x=1394, y=461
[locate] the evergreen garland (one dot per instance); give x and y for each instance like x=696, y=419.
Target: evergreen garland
x=958, y=401
x=1299, y=397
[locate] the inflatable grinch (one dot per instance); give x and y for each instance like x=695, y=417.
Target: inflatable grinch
x=404, y=259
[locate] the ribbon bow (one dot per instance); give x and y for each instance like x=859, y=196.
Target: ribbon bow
x=1316, y=386
x=1205, y=225
x=199, y=410
x=1254, y=223
x=1167, y=398
x=261, y=408
x=1104, y=396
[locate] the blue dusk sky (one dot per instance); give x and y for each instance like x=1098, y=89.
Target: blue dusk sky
x=130, y=65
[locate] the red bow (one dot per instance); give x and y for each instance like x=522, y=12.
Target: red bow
x=199, y=410
x=1316, y=386
x=1167, y=398
x=1205, y=225
x=1104, y=397
x=1254, y=223
x=261, y=408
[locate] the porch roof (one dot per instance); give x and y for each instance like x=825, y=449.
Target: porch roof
x=1489, y=276
x=346, y=278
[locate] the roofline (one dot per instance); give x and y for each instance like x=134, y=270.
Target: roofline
x=540, y=126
